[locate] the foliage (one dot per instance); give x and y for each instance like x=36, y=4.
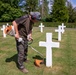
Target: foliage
x=60, y=12
x=72, y=12
x=31, y=5
x=8, y=13
x=44, y=9
x=13, y=3
x=47, y=24
x=56, y=24
x=10, y=10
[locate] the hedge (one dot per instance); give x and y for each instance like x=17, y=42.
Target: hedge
x=5, y=23
x=55, y=24
x=47, y=24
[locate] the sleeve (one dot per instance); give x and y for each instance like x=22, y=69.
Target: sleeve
x=27, y=26
x=21, y=20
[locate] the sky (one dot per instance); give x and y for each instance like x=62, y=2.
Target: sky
x=73, y=2
x=22, y=2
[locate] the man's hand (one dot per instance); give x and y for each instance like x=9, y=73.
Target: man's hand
x=29, y=37
x=17, y=36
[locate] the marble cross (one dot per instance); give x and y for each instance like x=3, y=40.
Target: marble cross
x=49, y=44
x=3, y=28
x=62, y=26
x=7, y=24
x=41, y=27
x=59, y=30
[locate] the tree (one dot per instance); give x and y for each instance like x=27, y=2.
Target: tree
x=59, y=12
x=44, y=9
x=72, y=12
x=8, y=13
x=13, y=3
x=75, y=14
x=31, y=5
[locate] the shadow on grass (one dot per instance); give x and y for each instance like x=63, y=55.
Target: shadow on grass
x=55, y=38
x=13, y=58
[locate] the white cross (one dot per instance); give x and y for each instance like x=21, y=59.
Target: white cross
x=62, y=26
x=49, y=44
x=3, y=28
x=41, y=27
x=59, y=30
x=7, y=24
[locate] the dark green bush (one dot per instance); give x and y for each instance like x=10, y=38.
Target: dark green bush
x=56, y=24
x=48, y=24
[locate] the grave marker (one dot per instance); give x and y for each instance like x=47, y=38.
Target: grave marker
x=62, y=26
x=41, y=27
x=49, y=44
x=7, y=24
x=3, y=27
x=59, y=30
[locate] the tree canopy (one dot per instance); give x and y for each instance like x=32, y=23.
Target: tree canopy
x=60, y=12
x=72, y=12
x=8, y=12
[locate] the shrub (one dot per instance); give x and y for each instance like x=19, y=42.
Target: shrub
x=56, y=24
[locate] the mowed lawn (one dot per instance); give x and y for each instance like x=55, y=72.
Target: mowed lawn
x=64, y=57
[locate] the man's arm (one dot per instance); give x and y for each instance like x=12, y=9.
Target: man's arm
x=29, y=37
x=16, y=29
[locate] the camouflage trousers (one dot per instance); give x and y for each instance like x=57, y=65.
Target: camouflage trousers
x=22, y=49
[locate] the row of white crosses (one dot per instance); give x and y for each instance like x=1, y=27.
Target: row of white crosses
x=3, y=28
x=49, y=45
x=60, y=30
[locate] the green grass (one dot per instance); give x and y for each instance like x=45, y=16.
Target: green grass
x=64, y=58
